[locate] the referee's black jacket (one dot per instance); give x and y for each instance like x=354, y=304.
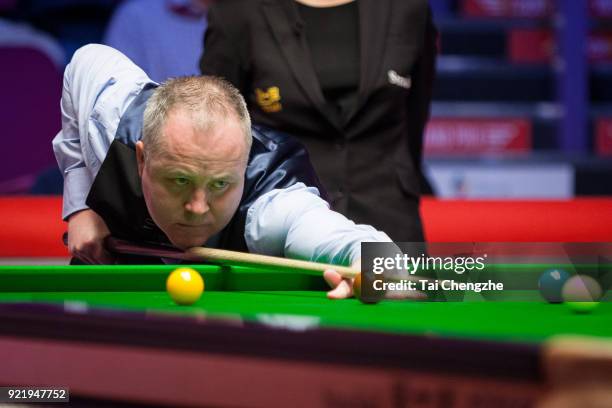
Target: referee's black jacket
x=369, y=161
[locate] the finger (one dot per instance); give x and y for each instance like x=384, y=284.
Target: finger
x=342, y=291
x=332, y=277
x=90, y=251
x=82, y=257
x=74, y=251
x=101, y=256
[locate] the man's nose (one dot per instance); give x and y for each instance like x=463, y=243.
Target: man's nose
x=197, y=203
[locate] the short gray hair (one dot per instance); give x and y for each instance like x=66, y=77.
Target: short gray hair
x=208, y=99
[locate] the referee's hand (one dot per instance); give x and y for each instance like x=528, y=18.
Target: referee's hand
x=86, y=233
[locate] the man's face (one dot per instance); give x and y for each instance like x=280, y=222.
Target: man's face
x=194, y=185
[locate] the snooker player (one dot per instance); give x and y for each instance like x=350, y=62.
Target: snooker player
x=180, y=164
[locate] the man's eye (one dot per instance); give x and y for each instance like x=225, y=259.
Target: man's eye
x=219, y=184
x=181, y=181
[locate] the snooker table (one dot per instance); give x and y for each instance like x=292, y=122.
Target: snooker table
x=265, y=337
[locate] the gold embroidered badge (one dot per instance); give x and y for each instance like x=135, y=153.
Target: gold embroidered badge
x=269, y=100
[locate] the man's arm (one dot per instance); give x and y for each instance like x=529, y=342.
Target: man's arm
x=296, y=223
x=99, y=85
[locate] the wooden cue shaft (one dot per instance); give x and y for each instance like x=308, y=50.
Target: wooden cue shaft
x=225, y=256
x=222, y=256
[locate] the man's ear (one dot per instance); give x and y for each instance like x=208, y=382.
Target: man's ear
x=140, y=159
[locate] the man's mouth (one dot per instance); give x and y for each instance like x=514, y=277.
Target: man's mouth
x=182, y=225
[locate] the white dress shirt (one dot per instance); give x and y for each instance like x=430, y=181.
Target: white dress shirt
x=99, y=85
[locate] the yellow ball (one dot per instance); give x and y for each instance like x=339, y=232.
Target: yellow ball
x=185, y=286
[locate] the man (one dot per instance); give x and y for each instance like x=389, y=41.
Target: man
x=177, y=164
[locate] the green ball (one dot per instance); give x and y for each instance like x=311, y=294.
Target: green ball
x=582, y=307
x=551, y=284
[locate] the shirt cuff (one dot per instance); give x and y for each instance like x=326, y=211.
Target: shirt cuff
x=364, y=233
x=77, y=183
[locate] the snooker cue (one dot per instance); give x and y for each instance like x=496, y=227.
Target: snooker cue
x=225, y=257
x=248, y=259
x=235, y=258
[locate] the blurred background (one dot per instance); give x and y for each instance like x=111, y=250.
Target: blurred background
x=523, y=99
x=522, y=102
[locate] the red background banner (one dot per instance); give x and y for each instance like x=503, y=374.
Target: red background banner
x=32, y=227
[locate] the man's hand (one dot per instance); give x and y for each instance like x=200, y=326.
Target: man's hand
x=341, y=288
x=86, y=233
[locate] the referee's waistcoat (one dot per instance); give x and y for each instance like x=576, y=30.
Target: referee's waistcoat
x=276, y=161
